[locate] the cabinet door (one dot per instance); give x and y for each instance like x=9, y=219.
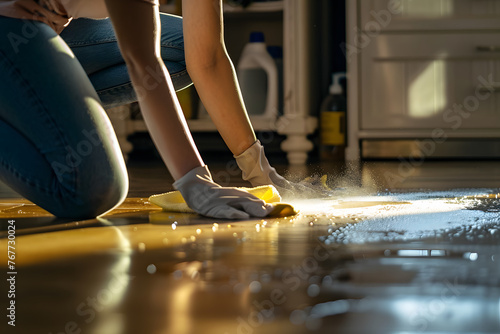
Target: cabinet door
x=429, y=14
x=425, y=81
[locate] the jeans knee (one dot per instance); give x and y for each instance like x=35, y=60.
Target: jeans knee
x=95, y=198
x=106, y=197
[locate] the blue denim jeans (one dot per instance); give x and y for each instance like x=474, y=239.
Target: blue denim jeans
x=94, y=44
x=57, y=146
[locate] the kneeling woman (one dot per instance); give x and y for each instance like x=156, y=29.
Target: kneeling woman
x=57, y=146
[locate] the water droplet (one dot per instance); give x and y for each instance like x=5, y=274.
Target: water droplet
x=470, y=256
x=255, y=287
x=177, y=274
x=151, y=269
x=313, y=290
x=198, y=231
x=141, y=247
x=265, y=278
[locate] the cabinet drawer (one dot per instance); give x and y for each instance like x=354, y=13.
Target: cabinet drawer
x=422, y=81
x=429, y=15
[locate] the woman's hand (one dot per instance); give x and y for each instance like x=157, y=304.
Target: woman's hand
x=256, y=169
x=206, y=197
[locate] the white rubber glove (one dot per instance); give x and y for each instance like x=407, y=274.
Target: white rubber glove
x=208, y=198
x=256, y=169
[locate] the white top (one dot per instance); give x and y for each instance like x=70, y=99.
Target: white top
x=56, y=13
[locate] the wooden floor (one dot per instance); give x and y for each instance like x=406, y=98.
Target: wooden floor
x=396, y=248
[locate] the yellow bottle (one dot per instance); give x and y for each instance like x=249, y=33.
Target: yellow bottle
x=333, y=121
x=186, y=101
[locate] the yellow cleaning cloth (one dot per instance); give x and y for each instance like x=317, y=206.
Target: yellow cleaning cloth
x=174, y=202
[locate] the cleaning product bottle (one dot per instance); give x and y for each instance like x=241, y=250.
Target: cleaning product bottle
x=258, y=78
x=185, y=98
x=333, y=121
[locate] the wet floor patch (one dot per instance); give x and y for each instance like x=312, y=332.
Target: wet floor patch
x=409, y=216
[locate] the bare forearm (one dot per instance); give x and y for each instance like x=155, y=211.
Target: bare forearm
x=219, y=91
x=140, y=47
x=164, y=118
x=213, y=74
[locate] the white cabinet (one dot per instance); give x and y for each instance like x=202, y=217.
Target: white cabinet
x=413, y=82
x=428, y=15
x=421, y=67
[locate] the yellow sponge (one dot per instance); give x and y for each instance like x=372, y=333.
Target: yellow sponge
x=174, y=202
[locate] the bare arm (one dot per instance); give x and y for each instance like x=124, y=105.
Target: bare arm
x=213, y=73
x=137, y=27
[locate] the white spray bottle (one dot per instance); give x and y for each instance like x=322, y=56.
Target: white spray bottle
x=258, y=78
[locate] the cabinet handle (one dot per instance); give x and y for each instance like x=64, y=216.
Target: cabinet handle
x=488, y=48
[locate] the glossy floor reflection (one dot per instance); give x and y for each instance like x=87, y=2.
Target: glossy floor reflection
x=391, y=251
